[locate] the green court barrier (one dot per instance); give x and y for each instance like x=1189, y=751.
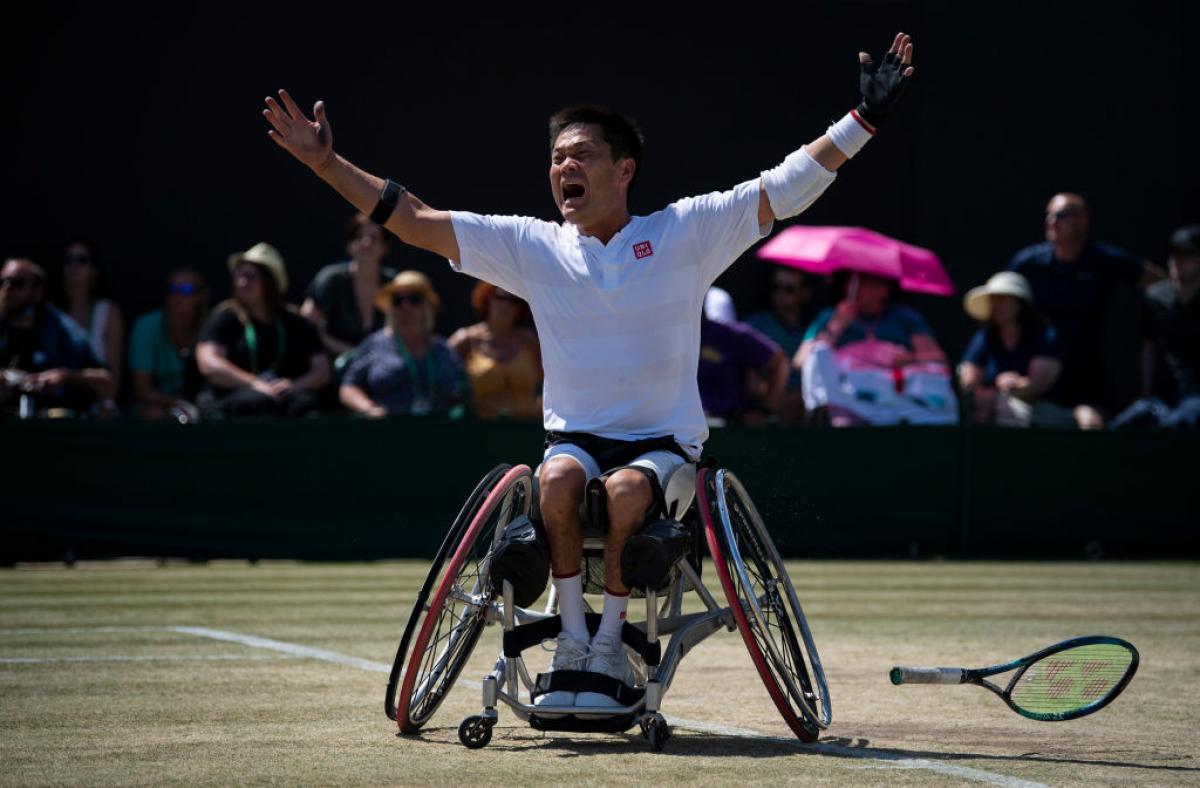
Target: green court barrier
x=345, y=489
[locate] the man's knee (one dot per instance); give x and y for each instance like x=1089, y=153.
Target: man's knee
x=560, y=482
x=630, y=495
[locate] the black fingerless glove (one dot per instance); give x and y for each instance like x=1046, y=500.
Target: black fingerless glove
x=882, y=86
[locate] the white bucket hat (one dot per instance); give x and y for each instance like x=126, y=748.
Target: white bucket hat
x=1010, y=283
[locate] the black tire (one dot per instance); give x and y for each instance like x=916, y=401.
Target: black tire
x=444, y=627
x=765, y=606
x=475, y=732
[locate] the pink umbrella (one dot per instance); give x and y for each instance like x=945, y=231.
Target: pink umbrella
x=823, y=250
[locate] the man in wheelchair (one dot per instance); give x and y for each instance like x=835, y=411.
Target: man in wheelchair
x=617, y=300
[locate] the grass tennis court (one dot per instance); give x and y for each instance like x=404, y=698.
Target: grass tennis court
x=129, y=673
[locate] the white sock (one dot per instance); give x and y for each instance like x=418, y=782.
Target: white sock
x=570, y=606
x=614, y=614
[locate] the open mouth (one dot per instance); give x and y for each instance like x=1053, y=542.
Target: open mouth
x=572, y=191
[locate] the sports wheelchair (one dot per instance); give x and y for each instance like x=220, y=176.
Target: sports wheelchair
x=494, y=564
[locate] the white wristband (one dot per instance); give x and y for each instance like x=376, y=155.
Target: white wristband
x=849, y=134
x=795, y=184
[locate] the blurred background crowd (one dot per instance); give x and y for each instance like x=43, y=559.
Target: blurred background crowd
x=841, y=349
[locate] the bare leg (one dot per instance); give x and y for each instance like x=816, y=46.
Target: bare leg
x=629, y=496
x=561, y=482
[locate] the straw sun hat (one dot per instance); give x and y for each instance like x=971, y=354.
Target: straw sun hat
x=977, y=301
x=268, y=257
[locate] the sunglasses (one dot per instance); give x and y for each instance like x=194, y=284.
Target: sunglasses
x=785, y=288
x=248, y=274
x=16, y=282
x=412, y=299
x=1058, y=216
x=79, y=259
x=183, y=288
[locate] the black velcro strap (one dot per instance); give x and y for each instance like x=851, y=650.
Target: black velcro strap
x=586, y=681
x=388, y=197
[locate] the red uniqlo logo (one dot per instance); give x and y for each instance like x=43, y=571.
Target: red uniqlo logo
x=642, y=250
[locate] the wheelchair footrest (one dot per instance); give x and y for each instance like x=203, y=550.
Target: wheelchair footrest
x=586, y=681
x=529, y=635
x=618, y=724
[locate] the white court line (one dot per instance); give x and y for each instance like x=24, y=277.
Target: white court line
x=144, y=658
x=882, y=758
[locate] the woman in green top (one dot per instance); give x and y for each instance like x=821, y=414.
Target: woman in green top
x=163, y=347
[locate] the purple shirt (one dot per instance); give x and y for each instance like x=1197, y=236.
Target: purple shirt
x=728, y=353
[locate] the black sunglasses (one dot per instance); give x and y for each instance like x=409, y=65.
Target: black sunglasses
x=79, y=259
x=16, y=282
x=412, y=299
x=1065, y=213
x=785, y=288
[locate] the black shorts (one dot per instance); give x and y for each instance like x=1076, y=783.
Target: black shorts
x=611, y=453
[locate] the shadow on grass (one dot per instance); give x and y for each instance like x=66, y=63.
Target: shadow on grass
x=686, y=742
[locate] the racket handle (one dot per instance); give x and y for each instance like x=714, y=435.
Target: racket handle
x=927, y=675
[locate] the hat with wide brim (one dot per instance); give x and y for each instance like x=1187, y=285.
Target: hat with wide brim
x=1186, y=240
x=978, y=303
x=406, y=282
x=268, y=257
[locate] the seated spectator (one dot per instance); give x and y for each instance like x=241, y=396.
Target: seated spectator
x=83, y=300
x=1073, y=281
x=741, y=373
x=784, y=323
x=1171, y=326
x=403, y=369
x=872, y=361
x=163, y=346
x=1011, y=363
x=501, y=356
x=340, y=302
x=44, y=355
x=258, y=357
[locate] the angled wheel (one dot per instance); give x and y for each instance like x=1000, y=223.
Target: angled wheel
x=452, y=606
x=764, y=603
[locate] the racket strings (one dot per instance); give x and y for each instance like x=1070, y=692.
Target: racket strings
x=1072, y=679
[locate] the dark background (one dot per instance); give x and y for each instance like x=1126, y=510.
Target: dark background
x=140, y=128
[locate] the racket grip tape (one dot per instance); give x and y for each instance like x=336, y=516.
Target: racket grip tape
x=901, y=675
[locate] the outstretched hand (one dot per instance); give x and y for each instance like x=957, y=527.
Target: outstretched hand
x=883, y=84
x=310, y=141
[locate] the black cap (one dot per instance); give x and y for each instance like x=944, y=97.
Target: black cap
x=1186, y=239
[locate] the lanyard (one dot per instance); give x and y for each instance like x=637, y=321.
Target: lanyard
x=414, y=372
x=252, y=345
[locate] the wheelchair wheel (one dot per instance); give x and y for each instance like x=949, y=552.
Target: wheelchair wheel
x=764, y=604
x=452, y=606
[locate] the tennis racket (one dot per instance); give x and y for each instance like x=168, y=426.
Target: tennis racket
x=1063, y=682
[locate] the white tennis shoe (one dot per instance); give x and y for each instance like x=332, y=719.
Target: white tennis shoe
x=608, y=657
x=569, y=654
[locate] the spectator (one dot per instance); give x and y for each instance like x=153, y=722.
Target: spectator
x=258, y=357
x=1171, y=325
x=872, y=361
x=162, y=350
x=101, y=319
x=741, y=373
x=340, y=302
x=42, y=352
x=1073, y=281
x=1011, y=363
x=403, y=368
x=784, y=324
x=501, y=356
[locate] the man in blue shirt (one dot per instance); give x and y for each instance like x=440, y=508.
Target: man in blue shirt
x=1073, y=281
x=42, y=351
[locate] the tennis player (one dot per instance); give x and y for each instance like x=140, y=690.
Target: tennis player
x=617, y=300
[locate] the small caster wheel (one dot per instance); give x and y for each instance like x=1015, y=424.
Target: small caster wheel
x=475, y=732
x=657, y=732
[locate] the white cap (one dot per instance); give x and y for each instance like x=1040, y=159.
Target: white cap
x=1010, y=283
x=718, y=306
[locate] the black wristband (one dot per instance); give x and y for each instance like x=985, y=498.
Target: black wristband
x=387, y=202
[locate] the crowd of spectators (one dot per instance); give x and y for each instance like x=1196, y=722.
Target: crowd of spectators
x=363, y=340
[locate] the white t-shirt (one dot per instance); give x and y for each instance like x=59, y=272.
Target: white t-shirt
x=619, y=324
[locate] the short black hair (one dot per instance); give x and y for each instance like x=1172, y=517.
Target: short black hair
x=621, y=132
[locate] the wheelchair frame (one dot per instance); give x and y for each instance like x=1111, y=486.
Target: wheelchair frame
x=762, y=605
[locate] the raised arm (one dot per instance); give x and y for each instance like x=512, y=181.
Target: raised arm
x=311, y=142
x=882, y=86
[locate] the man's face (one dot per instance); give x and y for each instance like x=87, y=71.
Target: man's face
x=587, y=184
x=1184, y=269
x=1066, y=219
x=19, y=287
x=789, y=290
